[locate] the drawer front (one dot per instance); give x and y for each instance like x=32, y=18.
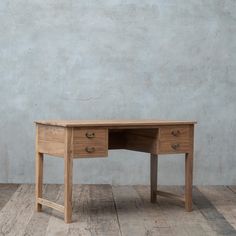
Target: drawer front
x=168, y=147
x=90, y=142
x=175, y=133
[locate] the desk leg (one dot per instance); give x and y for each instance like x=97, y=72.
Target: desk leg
x=153, y=176
x=68, y=169
x=38, y=179
x=188, y=180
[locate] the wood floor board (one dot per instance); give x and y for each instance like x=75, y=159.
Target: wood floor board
x=106, y=210
x=128, y=204
x=182, y=222
x=80, y=225
x=137, y=216
x=206, y=201
x=232, y=188
x=38, y=223
x=17, y=212
x=7, y=190
x=94, y=212
x=56, y=225
x=156, y=221
x=102, y=211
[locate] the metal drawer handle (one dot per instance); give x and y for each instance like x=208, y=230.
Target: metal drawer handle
x=175, y=146
x=175, y=133
x=90, y=135
x=90, y=149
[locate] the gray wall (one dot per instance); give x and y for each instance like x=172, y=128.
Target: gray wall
x=69, y=59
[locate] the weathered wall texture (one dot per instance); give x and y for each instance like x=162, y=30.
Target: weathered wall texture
x=119, y=59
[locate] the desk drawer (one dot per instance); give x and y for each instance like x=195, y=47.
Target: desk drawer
x=90, y=142
x=174, y=133
x=166, y=147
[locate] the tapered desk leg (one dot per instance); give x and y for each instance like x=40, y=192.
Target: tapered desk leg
x=38, y=179
x=153, y=176
x=68, y=169
x=188, y=180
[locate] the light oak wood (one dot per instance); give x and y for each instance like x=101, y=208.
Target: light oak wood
x=51, y=140
x=85, y=139
x=169, y=147
x=38, y=172
x=68, y=170
x=112, y=123
x=175, y=132
x=51, y=204
x=51, y=133
x=51, y=148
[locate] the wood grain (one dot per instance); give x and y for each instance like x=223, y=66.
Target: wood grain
x=112, y=123
x=167, y=147
x=119, y=210
x=17, y=212
x=175, y=132
x=50, y=140
x=81, y=142
x=38, y=172
x=56, y=225
x=6, y=191
x=51, y=204
x=51, y=133
x=68, y=173
x=72, y=139
x=38, y=223
x=137, y=216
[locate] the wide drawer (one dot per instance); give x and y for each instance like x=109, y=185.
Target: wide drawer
x=90, y=142
x=168, y=147
x=174, y=133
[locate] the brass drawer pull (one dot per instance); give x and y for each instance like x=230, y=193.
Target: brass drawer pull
x=175, y=133
x=90, y=135
x=90, y=149
x=175, y=146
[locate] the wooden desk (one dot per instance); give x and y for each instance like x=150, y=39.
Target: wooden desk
x=84, y=139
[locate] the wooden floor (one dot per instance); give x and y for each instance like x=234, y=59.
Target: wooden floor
x=118, y=210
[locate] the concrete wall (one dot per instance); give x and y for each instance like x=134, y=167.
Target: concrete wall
x=106, y=59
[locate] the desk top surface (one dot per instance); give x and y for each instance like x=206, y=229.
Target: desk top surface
x=112, y=123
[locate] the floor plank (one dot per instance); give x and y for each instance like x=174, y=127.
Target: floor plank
x=128, y=205
x=81, y=222
x=94, y=211
x=180, y=221
x=119, y=211
x=16, y=214
x=137, y=216
x=155, y=219
x=6, y=191
x=218, y=205
x=38, y=223
x=56, y=225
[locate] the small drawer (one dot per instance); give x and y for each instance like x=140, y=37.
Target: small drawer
x=90, y=142
x=174, y=133
x=168, y=147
